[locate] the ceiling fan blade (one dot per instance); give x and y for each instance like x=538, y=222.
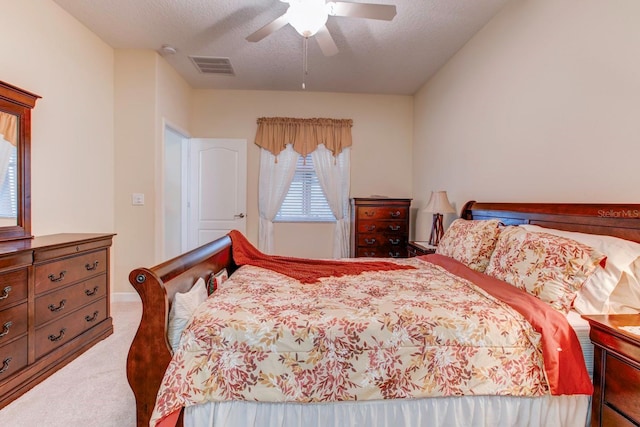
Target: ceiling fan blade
x=325, y=41
x=271, y=27
x=384, y=12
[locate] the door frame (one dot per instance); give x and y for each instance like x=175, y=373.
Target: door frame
x=160, y=200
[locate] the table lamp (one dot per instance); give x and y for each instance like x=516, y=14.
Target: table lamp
x=438, y=204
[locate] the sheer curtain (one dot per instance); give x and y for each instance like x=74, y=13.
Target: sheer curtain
x=334, y=177
x=281, y=140
x=276, y=174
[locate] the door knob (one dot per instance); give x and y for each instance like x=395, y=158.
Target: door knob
x=239, y=216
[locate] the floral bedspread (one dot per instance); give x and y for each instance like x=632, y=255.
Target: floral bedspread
x=379, y=335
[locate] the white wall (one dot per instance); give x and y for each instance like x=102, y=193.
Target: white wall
x=47, y=52
x=542, y=105
x=382, y=147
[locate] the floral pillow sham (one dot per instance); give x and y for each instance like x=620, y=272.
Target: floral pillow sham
x=471, y=242
x=552, y=268
x=612, y=289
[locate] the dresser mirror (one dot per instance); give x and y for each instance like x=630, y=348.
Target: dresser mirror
x=15, y=162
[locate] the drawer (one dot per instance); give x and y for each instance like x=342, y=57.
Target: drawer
x=386, y=227
x=13, y=287
x=61, y=273
x=13, y=322
x=376, y=239
x=622, y=387
x=13, y=357
x=382, y=252
x=62, y=302
x=387, y=212
x=612, y=418
x=63, y=330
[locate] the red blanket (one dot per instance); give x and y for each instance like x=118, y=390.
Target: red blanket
x=302, y=269
x=563, y=360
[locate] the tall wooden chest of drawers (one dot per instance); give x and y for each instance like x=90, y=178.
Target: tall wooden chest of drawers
x=54, y=305
x=379, y=227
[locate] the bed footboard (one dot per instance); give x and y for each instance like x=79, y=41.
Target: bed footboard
x=150, y=352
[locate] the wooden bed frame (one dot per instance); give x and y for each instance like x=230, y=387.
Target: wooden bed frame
x=150, y=352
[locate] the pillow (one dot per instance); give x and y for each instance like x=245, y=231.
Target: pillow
x=183, y=307
x=625, y=298
x=597, y=296
x=552, y=268
x=470, y=241
x=216, y=279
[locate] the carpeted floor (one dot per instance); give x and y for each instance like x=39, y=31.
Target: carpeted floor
x=90, y=391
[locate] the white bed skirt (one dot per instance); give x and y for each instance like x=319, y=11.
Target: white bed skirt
x=561, y=411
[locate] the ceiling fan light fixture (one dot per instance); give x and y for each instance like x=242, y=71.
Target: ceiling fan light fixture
x=307, y=16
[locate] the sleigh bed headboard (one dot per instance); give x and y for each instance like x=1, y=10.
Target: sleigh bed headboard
x=150, y=352
x=619, y=220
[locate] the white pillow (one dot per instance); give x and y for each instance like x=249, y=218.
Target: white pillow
x=622, y=269
x=625, y=298
x=183, y=307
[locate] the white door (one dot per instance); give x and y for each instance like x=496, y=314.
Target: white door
x=217, y=186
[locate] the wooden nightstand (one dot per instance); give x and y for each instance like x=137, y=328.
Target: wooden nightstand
x=616, y=370
x=420, y=248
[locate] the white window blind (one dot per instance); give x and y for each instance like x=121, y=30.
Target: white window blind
x=9, y=190
x=305, y=200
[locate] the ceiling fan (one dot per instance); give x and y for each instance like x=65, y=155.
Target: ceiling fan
x=309, y=17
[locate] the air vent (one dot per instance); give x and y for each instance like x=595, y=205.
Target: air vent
x=212, y=65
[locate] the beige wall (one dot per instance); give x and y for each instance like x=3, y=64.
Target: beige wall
x=542, y=105
x=149, y=94
x=382, y=141
x=47, y=52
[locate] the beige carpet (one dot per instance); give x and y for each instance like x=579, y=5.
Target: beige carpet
x=90, y=391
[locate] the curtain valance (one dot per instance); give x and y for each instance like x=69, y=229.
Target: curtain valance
x=9, y=127
x=274, y=133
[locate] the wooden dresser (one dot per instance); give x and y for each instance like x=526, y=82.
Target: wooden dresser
x=379, y=227
x=616, y=370
x=54, y=305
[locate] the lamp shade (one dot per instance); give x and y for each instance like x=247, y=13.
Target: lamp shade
x=439, y=203
x=307, y=16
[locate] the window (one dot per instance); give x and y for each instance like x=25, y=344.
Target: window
x=305, y=201
x=9, y=190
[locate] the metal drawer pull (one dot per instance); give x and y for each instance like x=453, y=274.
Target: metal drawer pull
x=59, y=278
x=58, y=308
x=5, y=365
x=394, y=255
x=395, y=214
x=394, y=241
x=369, y=241
x=369, y=213
x=5, y=292
x=91, y=293
x=54, y=338
x=370, y=254
x=91, y=318
x=394, y=227
x=371, y=227
x=90, y=267
x=5, y=328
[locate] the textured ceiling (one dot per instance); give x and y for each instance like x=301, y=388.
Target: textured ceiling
x=386, y=57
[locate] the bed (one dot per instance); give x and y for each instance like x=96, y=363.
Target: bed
x=151, y=366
